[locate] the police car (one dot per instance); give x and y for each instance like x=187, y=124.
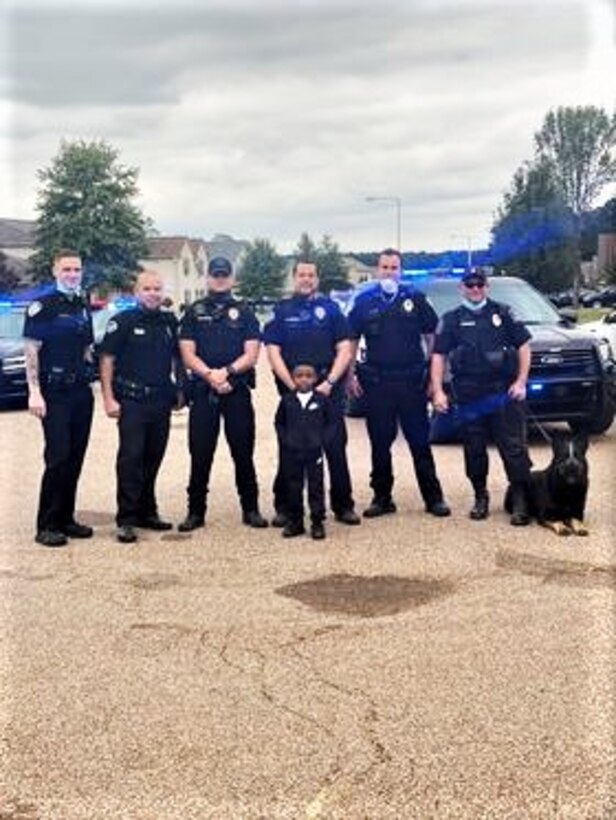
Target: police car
x=573, y=372
x=13, y=386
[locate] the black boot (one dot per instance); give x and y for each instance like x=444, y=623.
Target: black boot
x=519, y=505
x=481, y=507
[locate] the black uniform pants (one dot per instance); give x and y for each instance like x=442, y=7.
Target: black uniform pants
x=504, y=421
x=389, y=403
x=340, y=490
x=206, y=412
x=66, y=428
x=143, y=429
x=304, y=467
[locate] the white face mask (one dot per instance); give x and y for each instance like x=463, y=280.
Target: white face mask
x=474, y=305
x=389, y=286
x=67, y=290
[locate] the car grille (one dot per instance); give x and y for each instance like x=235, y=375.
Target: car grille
x=559, y=362
x=13, y=364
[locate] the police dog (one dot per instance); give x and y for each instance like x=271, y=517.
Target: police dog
x=557, y=495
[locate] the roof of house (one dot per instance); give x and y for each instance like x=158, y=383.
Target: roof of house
x=17, y=233
x=227, y=246
x=165, y=247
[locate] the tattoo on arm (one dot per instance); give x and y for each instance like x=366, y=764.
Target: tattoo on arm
x=32, y=363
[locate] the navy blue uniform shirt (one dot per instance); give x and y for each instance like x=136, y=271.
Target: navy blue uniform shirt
x=63, y=325
x=144, y=344
x=393, y=327
x=307, y=330
x=482, y=344
x=219, y=326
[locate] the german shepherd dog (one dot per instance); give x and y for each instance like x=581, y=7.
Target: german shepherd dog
x=557, y=495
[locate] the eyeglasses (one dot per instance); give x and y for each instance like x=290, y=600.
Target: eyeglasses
x=220, y=274
x=474, y=285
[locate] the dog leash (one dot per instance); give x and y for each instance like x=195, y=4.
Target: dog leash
x=533, y=418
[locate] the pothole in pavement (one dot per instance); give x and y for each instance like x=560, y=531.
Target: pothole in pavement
x=367, y=597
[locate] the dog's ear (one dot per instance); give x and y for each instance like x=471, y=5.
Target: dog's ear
x=560, y=440
x=580, y=442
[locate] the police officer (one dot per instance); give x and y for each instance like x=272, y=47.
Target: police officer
x=310, y=329
x=489, y=356
x=219, y=342
x=58, y=339
x=139, y=354
x=394, y=319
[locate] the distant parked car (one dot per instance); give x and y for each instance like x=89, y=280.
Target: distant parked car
x=606, y=297
x=573, y=373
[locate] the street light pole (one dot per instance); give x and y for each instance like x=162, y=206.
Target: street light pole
x=398, y=203
x=469, y=247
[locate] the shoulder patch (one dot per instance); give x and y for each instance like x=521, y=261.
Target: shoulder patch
x=112, y=326
x=34, y=308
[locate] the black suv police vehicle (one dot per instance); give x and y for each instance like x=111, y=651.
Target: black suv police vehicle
x=573, y=374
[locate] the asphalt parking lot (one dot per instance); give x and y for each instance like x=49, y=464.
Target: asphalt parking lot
x=407, y=668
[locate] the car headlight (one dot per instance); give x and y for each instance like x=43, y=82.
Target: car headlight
x=606, y=353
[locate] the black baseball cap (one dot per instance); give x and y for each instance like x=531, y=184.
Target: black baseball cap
x=474, y=275
x=219, y=266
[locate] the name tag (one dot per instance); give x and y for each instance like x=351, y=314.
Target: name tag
x=467, y=324
x=139, y=331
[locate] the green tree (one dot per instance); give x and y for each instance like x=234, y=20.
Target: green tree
x=8, y=278
x=579, y=144
x=540, y=222
x=333, y=273
x=86, y=202
x=532, y=236
x=306, y=250
x=262, y=272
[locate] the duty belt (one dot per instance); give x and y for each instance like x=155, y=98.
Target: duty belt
x=61, y=378
x=371, y=374
x=137, y=391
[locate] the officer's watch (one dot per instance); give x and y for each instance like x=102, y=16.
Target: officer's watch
x=231, y=371
x=331, y=381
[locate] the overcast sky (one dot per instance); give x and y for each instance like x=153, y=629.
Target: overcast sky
x=272, y=118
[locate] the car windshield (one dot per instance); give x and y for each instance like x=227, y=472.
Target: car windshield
x=11, y=324
x=527, y=304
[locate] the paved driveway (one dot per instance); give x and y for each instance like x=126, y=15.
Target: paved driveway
x=407, y=668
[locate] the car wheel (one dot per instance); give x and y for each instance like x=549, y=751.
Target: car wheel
x=596, y=426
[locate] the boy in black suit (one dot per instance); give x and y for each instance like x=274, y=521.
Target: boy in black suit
x=304, y=425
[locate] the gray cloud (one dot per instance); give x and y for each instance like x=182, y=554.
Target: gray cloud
x=276, y=118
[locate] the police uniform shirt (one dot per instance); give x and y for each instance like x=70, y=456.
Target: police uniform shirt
x=307, y=330
x=219, y=327
x=63, y=325
x=393, y=327
x=478, y=339
x=144, y=344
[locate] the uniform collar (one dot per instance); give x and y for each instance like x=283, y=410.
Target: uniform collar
x=220, y=298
